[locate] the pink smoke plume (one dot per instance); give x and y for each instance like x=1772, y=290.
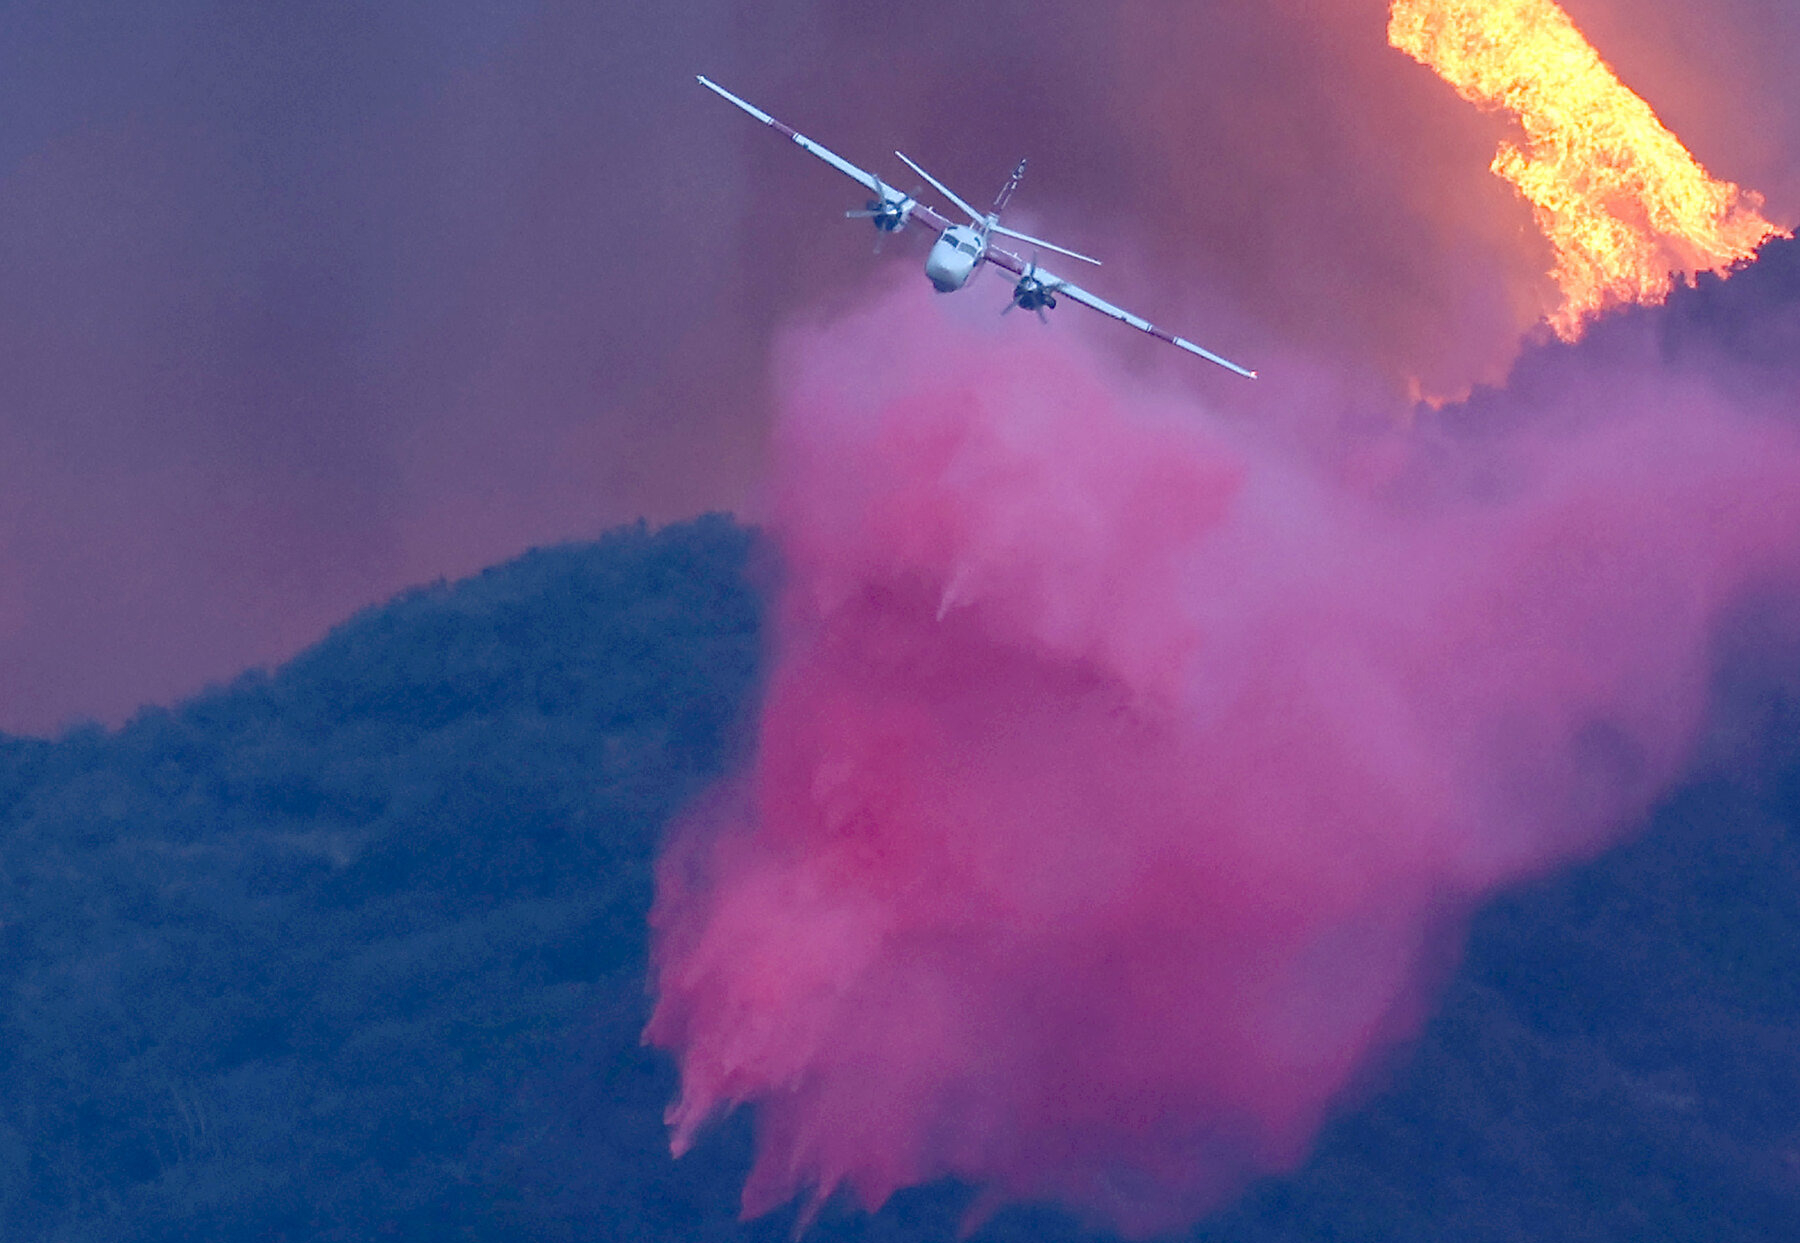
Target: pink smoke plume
x=1122, y=779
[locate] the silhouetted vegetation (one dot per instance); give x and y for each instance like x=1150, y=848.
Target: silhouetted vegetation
x=356, y=951
x=310, y=956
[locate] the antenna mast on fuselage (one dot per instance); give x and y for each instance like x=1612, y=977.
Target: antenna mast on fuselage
x=1006, y=193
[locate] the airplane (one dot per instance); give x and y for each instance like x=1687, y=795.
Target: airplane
x=961, y=249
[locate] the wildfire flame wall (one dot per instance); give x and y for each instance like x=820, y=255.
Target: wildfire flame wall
x=1623, y=203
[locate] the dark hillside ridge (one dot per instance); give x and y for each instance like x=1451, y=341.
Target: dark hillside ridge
x=295, y=958
x=1739, y=333
x=356, y=951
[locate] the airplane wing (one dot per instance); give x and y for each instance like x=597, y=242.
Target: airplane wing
x=869, y=181
x=1068, y=289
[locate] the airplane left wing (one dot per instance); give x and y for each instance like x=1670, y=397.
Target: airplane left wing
x=867, y=180
x=1051, y=283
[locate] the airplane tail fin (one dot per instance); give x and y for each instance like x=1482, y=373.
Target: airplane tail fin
x=1007, y=191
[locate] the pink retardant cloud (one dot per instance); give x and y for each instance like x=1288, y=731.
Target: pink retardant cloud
x=1122, y=779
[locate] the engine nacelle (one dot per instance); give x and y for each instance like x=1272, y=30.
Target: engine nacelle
x=1032, y=294
x=889, y=214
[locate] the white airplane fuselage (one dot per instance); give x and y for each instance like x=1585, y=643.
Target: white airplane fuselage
x=953, y=258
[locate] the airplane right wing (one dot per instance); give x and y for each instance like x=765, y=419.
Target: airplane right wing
x=1049, y=282
x=1143, y=325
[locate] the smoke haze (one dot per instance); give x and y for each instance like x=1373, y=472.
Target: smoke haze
x=1136, y=738
x=305, y=304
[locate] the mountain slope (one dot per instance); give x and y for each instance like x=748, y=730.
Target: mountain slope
x=282, y=961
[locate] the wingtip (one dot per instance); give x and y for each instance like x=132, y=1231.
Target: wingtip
x=1254, y=376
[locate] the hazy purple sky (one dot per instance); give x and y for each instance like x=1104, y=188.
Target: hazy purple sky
x=300, y=304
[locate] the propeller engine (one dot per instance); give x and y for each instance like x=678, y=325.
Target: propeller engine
x=1034, y=293
x=889, y=213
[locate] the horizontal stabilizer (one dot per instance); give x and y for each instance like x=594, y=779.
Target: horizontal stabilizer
x=944, y=190
x=1038, y=241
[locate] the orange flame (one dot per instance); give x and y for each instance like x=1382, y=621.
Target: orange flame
x=1619, y=197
